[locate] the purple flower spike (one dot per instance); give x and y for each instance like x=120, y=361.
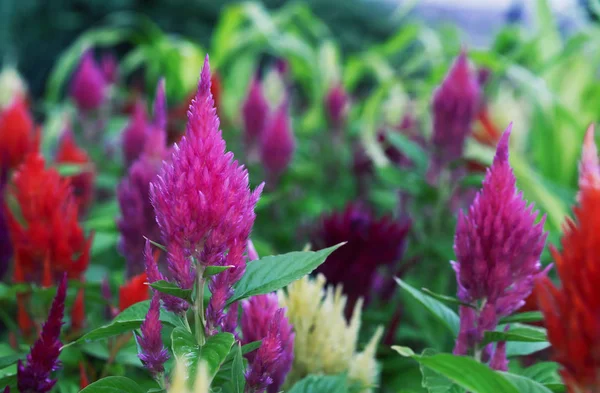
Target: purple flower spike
x=263, y=320
x=336, y=105
x=153, y=353
x=110, y=68
x=499, y=361
x=134, y=136
x=455, y=104
x=498, y=246
x=43, y=357
x=254, y=113
x=88, y=87
x=277, y=143
x=160, y=106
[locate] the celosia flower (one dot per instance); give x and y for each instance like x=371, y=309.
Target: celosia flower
x=134, y=135
x=78, y=311
x=83, y=183
x=88, y=87
x=6, y=249
x=160, y=107
x=589, y=167
x=324, y=342
x=203, y=204
x=363, y=367
x=454, y=106
x=252, y=254
x=277, y=143
x=18, y=136
x=153, y=353
x=373, y=244
x=498, y=246
x=571, y=311
x=12, y=86
x=84, y=381
x=255, y=110
x=110, y=68
x=133, y=291
x=336, y=105
x=42, y=360
x=262, y=319
x=179, y=380
x=171, y=303
x=48, y=241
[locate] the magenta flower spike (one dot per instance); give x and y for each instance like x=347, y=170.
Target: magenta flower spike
x=110, y=68
x=277, y=143
x=255, y=111
x=160, y=106
x=589, y=167
x=203, y=204
x=88, y=86
x=336, y=105
x=42, y=360
x=153, y=353
x=454, y=106
x=134, y=135
x=262, y=319
x=498, y=246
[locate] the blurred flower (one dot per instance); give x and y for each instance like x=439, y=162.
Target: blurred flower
x=160, y=107
x=88, y=87
x=110, y=68
x=324, y=342
x=454, y=105
x=336, y=105
x=571, y=313
x=262, y=319
x=179, y=380
x=78, y=311
x=18, y=135
x=12, y=87
x=252, y=254
x=84, y=381
x=42, y=360
x=153, y=353
x=133, y=291
x=363, y=366
x=6, y=249
x=83, y=183
x=498, y=247
x=203, y=204
x=255, y=111
x=134, y=135
x=408, y=128
x=277, y=143
x=47, y=239
x=373, y=243
x=171, y=303
x=589, y=167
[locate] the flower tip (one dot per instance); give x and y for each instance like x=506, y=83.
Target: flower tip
x=160, y=105
x=502, y=149
x=204, y=87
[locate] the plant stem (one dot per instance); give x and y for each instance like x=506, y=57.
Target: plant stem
x=199, y=307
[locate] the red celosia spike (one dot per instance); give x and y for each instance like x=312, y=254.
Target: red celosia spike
x=83, y=378
x=17, y=137
x=134, y=291
x=78, y=311
x=23, y=319
x=47, y=278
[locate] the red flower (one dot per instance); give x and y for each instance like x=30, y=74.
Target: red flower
x=78, y=311
x=572, y=313
x=134, y=291
x=83, y=183
x=46, y=236
x=17, y=133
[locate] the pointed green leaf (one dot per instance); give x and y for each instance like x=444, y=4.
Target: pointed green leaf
x=321, y=384
x=113, y=385
x=524, y=317
x=526, y=385
x=517, y=332
x=172, y=289
x=271, y=273
x=238, y=378
x=212, y=270
x=435, y=382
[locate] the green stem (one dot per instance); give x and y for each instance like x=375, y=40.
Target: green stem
x=199, y=307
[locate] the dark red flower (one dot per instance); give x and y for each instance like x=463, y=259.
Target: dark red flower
x=373, y=244
x=47, y=238
x=18, y=134
x=83, y=183
x=78, y=311
x=134, y=291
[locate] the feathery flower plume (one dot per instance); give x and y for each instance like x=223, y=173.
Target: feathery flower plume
x=6, y=248
x=589, y=167
x=18, y=135
x=336, y=105
x=203, y=204
x=133, y=291
x=47, y=238
x=262, y=319
x=455, y=104
x=160, y=106
x=363, y=367
x=12, y=86
x=277, y=143
x=110, y=68
x=179, y=380
x=255, y=110
x=153, y=353
x=42, y=360
x=324, y=343
x=134, y=135
x=373, y=243
x=571, y=312
x=88, y=87
x=83, y=183
x=498, y=247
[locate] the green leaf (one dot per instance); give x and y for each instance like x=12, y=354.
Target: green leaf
x=274, y=272
x=524, y=348
x=128, y=320
x=9, y=380
x=443, y=313
x=238, y=371
x=321, y=384
x=156, y=244
x=172, y=289
x=410, y=149
x=113, y=385
x=556, y=387
x=526, y=385
x=521, y=333
x=543, y=372
x=214, y=351
x=212, y=270
x=6, y=361
x=446, y=299
x=524, y=317
x=435, y=382
x=67, y=170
